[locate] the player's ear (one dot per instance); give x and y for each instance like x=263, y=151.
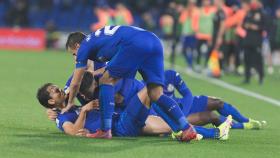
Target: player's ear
x=51, y=101
x=77, y=46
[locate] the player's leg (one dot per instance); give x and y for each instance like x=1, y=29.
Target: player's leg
x=133, y=119
x=204, y=118
x=122, y=65
x=156, y=125
x=152, y=71
x=225, y=109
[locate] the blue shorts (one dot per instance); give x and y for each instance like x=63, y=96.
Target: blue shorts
x=143, y=53
x=189, y=42
x=132, y=119
x=199, y=104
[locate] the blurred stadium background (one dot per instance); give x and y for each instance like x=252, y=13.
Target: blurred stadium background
x=32, y=52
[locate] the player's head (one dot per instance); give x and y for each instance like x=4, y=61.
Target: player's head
x=51, y=96
x=73, y=42
x=89, y=86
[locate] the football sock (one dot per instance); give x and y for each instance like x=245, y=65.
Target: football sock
x=107, y=104
x=171, y=108
x=230, y=110
x=173, y=125
x=208, y=132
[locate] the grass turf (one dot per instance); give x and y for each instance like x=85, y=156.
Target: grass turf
x=26, y=132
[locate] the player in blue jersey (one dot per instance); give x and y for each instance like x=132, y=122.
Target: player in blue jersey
x=128, y=122
x=128, y=50
x=202, y=105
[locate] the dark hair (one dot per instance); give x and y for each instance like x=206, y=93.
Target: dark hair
x=43, y=95
x=86, y=82
x=73, y=38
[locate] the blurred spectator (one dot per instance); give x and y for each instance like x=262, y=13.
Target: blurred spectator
x=189, y=21
x=122, y=15
x=105, y=17
x=218, y=28
x=254, y=25
x=170, y=28
x=205, y=28
x=52, y=35
x=275, y=35
x=148, y=22
x=17, y=15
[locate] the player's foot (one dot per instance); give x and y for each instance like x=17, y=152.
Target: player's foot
x=186, y=135
x=224, y=128
x=101, y=134
x=264, y=124
x=252, y=124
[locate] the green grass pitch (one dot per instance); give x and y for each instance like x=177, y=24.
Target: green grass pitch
x=26, y=132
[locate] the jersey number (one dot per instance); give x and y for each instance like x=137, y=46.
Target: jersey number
x=107, y=30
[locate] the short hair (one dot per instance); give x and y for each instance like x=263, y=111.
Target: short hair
x=86, y=82
x=43, y=95
x=73, y=38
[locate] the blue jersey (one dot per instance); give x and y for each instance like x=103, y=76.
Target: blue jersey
x=174, y=81
x=128, y=50
x=92, y=122
x=104, y=44
x=128, y=118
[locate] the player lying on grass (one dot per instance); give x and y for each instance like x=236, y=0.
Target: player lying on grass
x=128, y=120
x=128, y=50
x=204, y=104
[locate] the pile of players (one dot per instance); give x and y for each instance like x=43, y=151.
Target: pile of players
x=115, y=103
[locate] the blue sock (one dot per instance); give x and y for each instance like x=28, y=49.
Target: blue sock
x=171, y=108
x=230, y=110
x=212, y=133
x=107, y=104
x=166, y=118
x=236, y=125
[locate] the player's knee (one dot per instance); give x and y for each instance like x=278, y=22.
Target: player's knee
x=154, y=91
x=144, y=98
x=215, y=102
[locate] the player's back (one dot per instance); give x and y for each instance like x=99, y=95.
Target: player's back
x=106, y=41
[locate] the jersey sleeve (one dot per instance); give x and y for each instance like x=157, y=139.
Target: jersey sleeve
x=83, y=53
x=66, y=117
x=67, y=84
x=60, y=120
x=187, y=97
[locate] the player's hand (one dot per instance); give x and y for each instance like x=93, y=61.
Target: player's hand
x=82, y=132
x=68, y=107
x=91, y=105
x=52, y=114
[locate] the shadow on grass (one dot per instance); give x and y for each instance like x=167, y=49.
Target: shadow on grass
x=58, y=142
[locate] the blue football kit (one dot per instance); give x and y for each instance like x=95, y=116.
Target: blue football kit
x=127, y=50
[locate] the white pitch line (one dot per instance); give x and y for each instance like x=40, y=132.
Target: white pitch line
x=229, y=86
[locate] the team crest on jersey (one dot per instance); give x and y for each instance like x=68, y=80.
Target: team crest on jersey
x=170, y=87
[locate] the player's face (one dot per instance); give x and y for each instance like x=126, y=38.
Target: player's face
x=74, y=50
x=57, y=96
